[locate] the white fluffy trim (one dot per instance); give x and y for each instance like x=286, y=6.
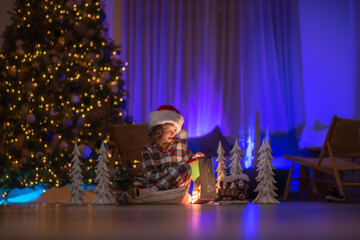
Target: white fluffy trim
x=166, y=116
x=183, y=134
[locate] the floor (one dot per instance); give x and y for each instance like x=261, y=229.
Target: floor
x=287, y=220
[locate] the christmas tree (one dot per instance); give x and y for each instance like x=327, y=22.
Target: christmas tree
x=76, y=178
x=102, y=178
x=265, y=177
x=235, y=166
x=221, y=172
x=60, y=80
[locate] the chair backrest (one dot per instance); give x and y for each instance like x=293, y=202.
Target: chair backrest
x=130, y=139
x=343, y=138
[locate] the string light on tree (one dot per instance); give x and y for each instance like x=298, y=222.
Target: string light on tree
x=52, y=55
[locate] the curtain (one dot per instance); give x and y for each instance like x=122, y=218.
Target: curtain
x=216, y=61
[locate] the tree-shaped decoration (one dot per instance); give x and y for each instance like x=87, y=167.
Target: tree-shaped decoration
x=60, y=77
x=102, y=178
x=265, y=188
x=221, y=172
x=235, y=166
x=76, y=178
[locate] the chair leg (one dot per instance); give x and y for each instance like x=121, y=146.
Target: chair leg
x=288, y=182
x=336, y=171
x=338, y=180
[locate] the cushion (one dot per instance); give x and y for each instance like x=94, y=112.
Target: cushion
x=283, y=143
x=208, y=144
x=311, y=138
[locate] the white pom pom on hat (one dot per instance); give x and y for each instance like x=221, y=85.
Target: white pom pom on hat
x=168, y=114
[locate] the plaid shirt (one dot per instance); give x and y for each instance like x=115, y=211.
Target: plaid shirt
x=158, y=162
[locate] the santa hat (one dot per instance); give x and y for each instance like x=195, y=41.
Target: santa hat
x=168, y=114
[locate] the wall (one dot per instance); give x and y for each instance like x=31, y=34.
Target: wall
x=328, y=46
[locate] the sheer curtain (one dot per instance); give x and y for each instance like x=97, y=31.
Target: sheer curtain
x=217, y=61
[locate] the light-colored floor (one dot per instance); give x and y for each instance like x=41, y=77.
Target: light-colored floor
x=287, y=220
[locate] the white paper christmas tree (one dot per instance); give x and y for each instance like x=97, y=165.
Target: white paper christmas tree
x=102, y=178
x=221, y=173
x=265, y=177
x=235, y=165
x=76, y=178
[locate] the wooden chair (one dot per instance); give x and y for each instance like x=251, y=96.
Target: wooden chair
x=129, y=140
x=342, y=142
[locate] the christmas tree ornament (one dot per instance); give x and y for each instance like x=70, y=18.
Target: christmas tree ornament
x=61, y=41
x=102, y=190
x=46, y=59
x=54, y=59
x=20, y=51
x=104, y=77
x=39, y=155
x=36, y=65
x=114, y=86
x=79, y=122
x=63, y=145
x=53, y=113
x=75, y=98
x=70, y=4
x=30, y=118
x=12, y=71
x=90, y=32
x=265, y=188
x=19, y=43
x=85, y=151
x=67, y=122
x=62, y=76
x=24, y=108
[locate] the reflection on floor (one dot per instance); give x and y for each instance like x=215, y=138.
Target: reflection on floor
x=287, y=220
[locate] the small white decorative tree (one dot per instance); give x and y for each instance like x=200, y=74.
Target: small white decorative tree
x=235, y=166
x=221, y=173
x=102, y=178
x=265, y=188
x=76, y=178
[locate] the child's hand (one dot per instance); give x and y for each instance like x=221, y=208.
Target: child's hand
x=198, y=154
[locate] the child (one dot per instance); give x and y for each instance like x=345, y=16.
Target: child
x=165, y=157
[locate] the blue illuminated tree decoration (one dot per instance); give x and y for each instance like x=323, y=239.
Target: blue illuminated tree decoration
x=249, y=156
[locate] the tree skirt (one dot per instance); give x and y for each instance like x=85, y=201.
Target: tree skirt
x=62, y=195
